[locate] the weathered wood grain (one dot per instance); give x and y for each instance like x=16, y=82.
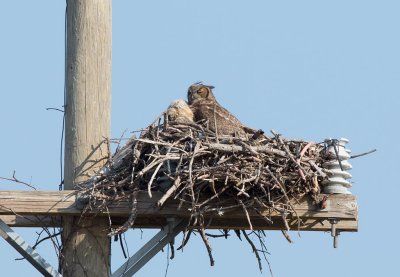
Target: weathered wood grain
x=145, y=222
x=86, y=251
x=59, y=203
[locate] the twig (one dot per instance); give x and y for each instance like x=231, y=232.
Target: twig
x=185, y=239
x=301, y=171
x=286, y=235
x=196, y=148
x=235, y=149
x=46, y=238
x=254, y=248
x=215, y=196
x=317, y=168
x=246, y=213
x=129, y=223
x=284, y=193
x=177, y=183
x=363, y=154
x=152, y=179
x=55, y=109
x=207, y=244
x=264, y=250
x=217, y=236
x=14, y=179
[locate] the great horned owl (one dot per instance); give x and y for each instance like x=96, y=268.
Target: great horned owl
x=205, y=107
x=179, y=111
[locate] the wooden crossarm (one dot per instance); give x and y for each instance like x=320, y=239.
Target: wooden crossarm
x=44, y=208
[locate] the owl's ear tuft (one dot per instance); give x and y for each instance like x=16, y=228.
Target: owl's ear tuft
x=204, y=91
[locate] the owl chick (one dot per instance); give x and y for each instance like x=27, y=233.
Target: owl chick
x=179, y=111
x=205, y=107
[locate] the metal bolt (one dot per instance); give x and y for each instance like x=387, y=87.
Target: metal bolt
x=334, y=232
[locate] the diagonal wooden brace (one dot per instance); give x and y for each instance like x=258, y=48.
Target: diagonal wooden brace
x=26, y=251
x=151, y=248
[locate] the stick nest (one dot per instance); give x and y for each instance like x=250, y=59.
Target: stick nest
x=190, y=163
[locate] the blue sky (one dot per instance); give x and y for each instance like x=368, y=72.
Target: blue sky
x=307, y=69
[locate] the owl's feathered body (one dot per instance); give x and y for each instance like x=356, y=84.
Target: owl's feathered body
x=179, y=111
x=206, y=108
x=218, y=119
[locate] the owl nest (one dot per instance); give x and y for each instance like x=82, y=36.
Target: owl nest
x=190, y=163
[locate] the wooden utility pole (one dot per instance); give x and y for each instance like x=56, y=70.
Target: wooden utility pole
x=86, y=246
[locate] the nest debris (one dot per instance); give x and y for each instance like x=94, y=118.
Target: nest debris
x=189, y=162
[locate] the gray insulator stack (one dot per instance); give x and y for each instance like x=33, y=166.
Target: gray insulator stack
x=337, y=168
